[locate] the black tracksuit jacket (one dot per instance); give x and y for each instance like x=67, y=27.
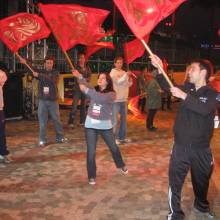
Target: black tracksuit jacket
x=194, y=122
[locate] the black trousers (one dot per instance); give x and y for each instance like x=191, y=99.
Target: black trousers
x=78, y=95
x=200, y=162
x=142, y=103
x=91, y=140
x=3, y=146
x=150, y=118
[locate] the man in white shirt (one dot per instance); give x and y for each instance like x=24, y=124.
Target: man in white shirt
x=121, y=83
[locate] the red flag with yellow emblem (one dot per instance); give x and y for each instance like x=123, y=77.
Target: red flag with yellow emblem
x=74, y=24
x=18, y=30
x=134, y=49
x=143, y=15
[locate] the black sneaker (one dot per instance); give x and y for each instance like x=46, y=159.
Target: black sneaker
x=62, y=140
x=208, y=215
x=152, y=129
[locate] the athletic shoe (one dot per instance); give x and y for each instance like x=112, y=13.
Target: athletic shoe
x=5, y=159
x=117, y=141
x=71, y=126
x=126, y=140
x=92, y=181
x=42, y=144
x=208, y=215
x=124, y=170
x=62, y=140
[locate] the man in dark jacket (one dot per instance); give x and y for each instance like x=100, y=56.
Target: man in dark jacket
x=48, y=96
x=193, y=130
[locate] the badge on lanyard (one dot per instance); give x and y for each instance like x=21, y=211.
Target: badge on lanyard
x=46, y=90
x=96, y=110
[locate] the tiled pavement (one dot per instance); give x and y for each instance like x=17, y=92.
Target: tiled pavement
x=50, y=183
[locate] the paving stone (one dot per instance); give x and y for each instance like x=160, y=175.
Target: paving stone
x=50, y=183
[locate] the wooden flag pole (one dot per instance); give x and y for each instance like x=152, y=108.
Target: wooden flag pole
x=159, y=66
x=27, y=65
x=69, y=60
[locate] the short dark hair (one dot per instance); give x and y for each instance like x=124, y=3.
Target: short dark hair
x=109, y=87
x=49, y=58
x=204, y=65
x=81, y=53
x=118, y=58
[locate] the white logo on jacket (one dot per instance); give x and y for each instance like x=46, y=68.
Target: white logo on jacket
x=203, y=99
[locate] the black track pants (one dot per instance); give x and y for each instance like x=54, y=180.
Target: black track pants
x=200, y=162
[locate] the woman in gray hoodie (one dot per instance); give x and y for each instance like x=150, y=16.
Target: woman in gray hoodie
x=99, y=122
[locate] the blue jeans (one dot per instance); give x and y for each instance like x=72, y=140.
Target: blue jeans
x=46, y=107
x=91, y=140
x=120, y=107
x=3, y=146
x=78, y=95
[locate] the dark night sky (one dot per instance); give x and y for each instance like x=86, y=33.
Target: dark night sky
x=198, y=20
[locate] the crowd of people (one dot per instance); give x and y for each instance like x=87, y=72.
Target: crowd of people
x=108, y=100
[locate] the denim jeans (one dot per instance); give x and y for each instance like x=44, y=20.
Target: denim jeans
x=91, y=140
x=3, y=146
x=119, y=107
x=78, y=95
x=51, y=107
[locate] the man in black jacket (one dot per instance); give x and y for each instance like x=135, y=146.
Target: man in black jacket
x=193, y=130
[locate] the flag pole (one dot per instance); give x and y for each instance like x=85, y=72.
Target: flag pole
x=27, y=65
x=159, y=66
x=69, y=60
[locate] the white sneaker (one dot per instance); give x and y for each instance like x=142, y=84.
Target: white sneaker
x=126, y=140
x=117, y=141
x=92, y=181
x=5, y=159
x=124, y=170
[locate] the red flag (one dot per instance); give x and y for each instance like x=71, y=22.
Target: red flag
x=143, y=15
x=134, y=49
x=18, y=30
x=74, y=24
x=97, y=46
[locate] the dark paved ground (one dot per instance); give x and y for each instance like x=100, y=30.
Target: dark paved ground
x=51, y=182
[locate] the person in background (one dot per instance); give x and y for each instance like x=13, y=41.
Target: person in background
x=48, y=100
x=141, y=81
x=153, y=101
x=78, y=95
x=193, y=130
x=166, y=95
x=99, y=122
x=121, y=83
x=3, y=145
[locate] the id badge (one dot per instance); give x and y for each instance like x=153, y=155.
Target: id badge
x=96, y=109
x=46, y=90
